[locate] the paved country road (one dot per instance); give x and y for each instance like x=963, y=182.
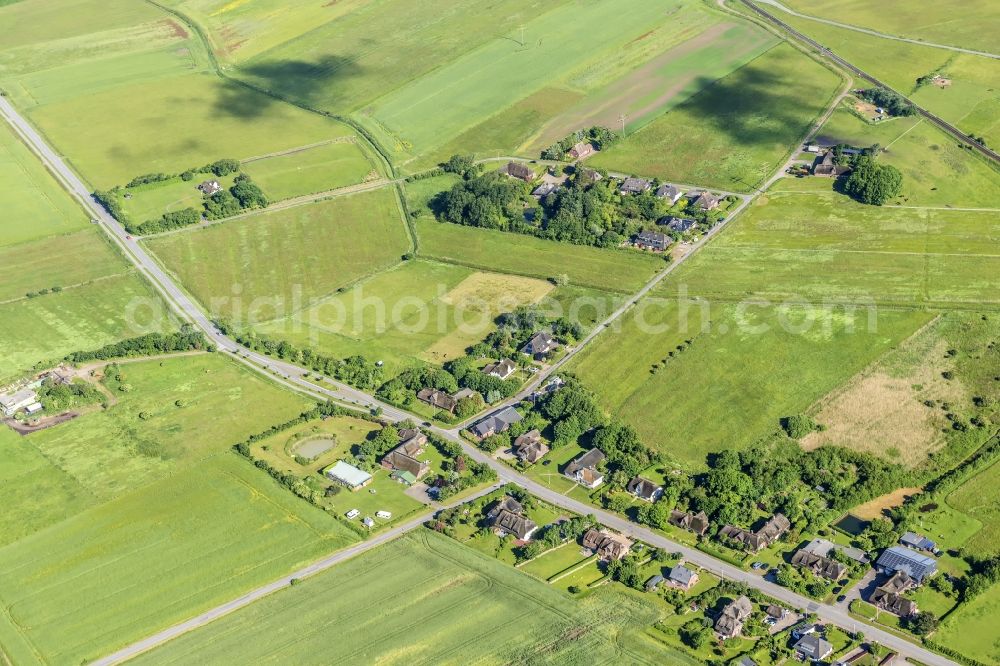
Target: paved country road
x=292, y=376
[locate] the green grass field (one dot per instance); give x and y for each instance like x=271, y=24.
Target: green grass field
x=272, y=264
x=311, y=170
x=936, y=172
x=65, y=261
x=802, y=240
x=970, y=101
x=931, y=22
x=426, y=598
x=113, y=452
x=33, y=203
x=59, y=472
x=754, y=365
x=971, y=630
x=378, y=47
x=419, y=310
x=735, y=132
x=469, y=89
x=209, y=119
x=978, y=499
x=119, y=572
x=611, y=270
x=46, y=328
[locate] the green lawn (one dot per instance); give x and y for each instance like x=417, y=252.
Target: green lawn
x=272, y=264
x=46, y=328
x=610, y=270
x=749, y=367
x=735, y=132
x=550, y=475
x=936, y=172
x=118, y=572
x=33, y=203
x=457, y=597
x=311, y=170
x=555, y=561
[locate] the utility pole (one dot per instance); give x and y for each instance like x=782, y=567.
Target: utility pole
x=622, y=119
x=522, y=34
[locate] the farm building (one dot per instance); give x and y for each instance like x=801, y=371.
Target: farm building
x=899, y=558
x=645, y=489
x=14, y=402
x=210, y=187
x=518, y=171
x=693, y=522
x=581, y=151
x=348, y=475
x=654, y=582
x=917, y=542
x=496, y=423
x=529, y=447
x=827, y=167
x=539, y=346
x=671, y=193
x=584, y=470
x=730, y=621
x=605, y=545
x=653, y=240
x=633, y=185
x=502, y=369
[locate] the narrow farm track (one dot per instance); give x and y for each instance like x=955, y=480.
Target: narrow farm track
x=291, y=376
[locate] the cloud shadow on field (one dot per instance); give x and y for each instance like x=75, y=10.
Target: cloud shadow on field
x=297, y=80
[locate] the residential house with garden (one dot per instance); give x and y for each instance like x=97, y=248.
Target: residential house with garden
x=496, y=423
x=518, y=171
x=502, y=369
x=645, y=489
x=529, y=447
x=692, y=522
x=652, y=240
x=730, y=622
x=605, y=545
x=583, y=469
